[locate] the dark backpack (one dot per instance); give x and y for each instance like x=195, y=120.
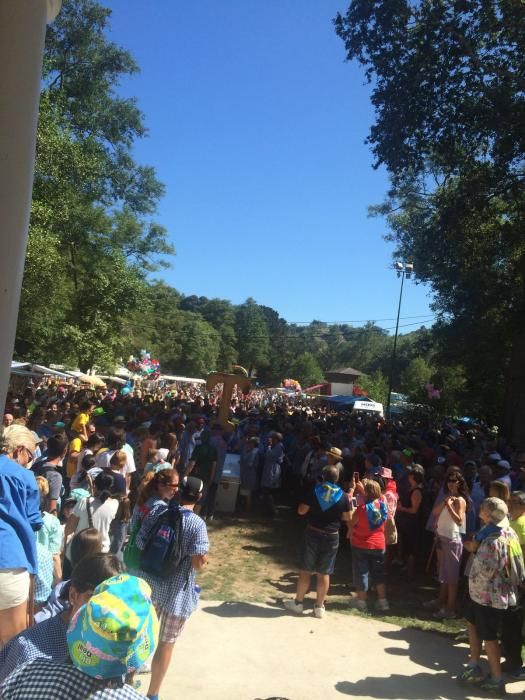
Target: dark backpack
x=162, y=554
x=39, y=468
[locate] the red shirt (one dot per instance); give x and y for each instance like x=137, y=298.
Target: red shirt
x=365, y=538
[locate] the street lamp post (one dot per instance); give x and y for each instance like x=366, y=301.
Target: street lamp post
x=22, y=33
x=403, y=270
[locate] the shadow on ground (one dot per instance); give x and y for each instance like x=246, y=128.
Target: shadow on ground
x=421, y=649
x=420, y=686
x=235, y=609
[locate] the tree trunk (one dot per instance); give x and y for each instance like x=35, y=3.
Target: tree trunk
x=514, y=407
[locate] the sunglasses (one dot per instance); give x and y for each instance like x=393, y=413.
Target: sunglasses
x=453, y=481
x=23, y=447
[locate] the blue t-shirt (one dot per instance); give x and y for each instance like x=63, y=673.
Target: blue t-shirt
x=20, y=516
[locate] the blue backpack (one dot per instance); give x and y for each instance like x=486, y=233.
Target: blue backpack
x=162, y=554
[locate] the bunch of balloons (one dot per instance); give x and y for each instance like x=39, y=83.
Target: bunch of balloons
x=144, y=366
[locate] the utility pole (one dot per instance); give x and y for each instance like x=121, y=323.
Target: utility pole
x=403, y=270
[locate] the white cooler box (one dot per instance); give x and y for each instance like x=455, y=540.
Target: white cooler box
x=229, y=485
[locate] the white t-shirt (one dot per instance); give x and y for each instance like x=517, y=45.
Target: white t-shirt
x=81, y=455
x=103, y=458
x=103, y=514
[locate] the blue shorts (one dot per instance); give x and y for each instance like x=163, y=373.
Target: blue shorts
x=318, y=552
x=368, y=567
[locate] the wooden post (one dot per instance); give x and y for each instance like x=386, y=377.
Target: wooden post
x=229, y=381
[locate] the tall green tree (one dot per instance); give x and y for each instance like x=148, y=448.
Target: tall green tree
x=91, y=201
x=447, y=85
x=253, y=339
x=417, y=374
x=376, y=386
x=220, y=314
x=306, y=369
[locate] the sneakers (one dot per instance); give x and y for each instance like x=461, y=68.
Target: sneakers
x=444, y=614
x=517, y=673
x=496, y=688
x=319, y=612
x=358, y=604
x=382, y=604
x=472, y=675
x=292, y=606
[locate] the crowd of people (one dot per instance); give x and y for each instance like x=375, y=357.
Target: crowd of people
x=105, y=497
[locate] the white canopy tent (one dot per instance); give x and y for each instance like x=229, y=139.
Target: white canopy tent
x=185, y=380
x=30, y=369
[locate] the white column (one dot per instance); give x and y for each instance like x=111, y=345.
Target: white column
x=22, y=33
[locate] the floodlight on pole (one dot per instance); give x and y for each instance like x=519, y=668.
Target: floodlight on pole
x=403, y=270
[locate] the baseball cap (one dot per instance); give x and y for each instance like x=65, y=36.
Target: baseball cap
x=503, y=464
x=191, y=487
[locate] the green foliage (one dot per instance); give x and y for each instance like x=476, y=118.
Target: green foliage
x=414, y=378
x=376, y=386
x=87, y=299
x=253, y=340
x=91, y=237
x=447, y=85
x=220, y=315
x=306, y=369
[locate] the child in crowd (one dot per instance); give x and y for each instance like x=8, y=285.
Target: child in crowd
x=47, y=640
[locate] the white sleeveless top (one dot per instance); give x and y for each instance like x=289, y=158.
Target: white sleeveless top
x=448, y=527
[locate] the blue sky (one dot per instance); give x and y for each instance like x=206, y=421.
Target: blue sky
x=257, y=127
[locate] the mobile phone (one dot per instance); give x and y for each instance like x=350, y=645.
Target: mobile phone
x=356, y=476
x=353, y=502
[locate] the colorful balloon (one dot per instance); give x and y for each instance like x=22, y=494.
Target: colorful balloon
x=144, y=366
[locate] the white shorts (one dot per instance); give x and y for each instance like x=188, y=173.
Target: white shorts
x=14, y=587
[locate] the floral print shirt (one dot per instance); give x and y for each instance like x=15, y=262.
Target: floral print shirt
x=488, y=583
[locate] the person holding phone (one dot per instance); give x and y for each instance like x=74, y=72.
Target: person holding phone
x=367, y=536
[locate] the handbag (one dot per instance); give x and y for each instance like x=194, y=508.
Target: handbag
x=390, y=531
x=132, y=554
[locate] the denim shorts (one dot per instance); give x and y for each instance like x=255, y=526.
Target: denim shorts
x=368, y=567
x=318, y=552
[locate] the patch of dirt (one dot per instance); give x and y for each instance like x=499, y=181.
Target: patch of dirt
x=255, y=559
